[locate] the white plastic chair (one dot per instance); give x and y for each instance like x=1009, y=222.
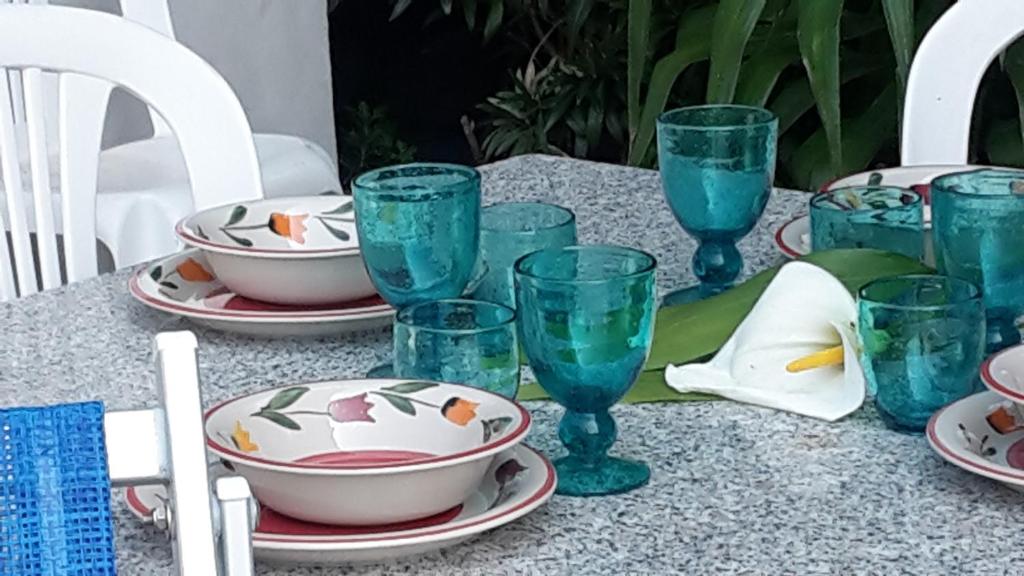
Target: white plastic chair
x=946, y=73
x=87, y=49
x=143, y=185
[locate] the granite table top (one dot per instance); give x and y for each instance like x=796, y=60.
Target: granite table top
x=735, y=489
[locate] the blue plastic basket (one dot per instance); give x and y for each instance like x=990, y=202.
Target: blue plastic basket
x=55, y=514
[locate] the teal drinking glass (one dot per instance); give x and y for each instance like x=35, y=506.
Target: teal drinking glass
x=717, y=167
x=586, y=320
x=461, y=341
x=419, y=231
x=881, y=217
x=978, y=231
x=511, y=230
x=922, y=340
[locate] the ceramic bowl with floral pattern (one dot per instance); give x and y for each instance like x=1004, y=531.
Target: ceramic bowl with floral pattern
x=300, y=250
x=364, y=452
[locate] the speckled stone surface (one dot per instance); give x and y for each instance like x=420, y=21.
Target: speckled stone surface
x=735, y=489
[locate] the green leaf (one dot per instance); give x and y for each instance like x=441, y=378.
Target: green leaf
x=401, y=404
x=899, y=18
x=1013, y=61
x=693, y=45
x=578, y=10
x=279, y=419
x=343, y=209
x=156, y=272
x=170, y=285
x=734, y=21
x=336, y=232
x=469, y=11
x=400, y=7
x=818, y=35
x=286, y=398
x=1004, y=145
x=236, y=216
x=446, y=6
x=638, y=46
x=410, y=387
x=649, y=387
x=237, y=239
x=762, y=70
x=494, y=16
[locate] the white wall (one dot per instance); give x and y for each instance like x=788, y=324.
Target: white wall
x=274, y=53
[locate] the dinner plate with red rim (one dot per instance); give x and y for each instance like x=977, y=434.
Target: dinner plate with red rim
x=983, y=434
x=519, y=481
x=793, y=238
x=184, y=284
x=1003, y=373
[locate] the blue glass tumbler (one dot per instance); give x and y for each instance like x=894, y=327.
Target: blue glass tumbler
x=586, y=320
x=461, y=341
x=510, y=230
x=922, y=340
x=880, y=217
x=717, y=167
x=978, y=230
x=419, y=231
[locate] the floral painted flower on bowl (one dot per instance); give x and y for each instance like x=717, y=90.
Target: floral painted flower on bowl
x=364, y=451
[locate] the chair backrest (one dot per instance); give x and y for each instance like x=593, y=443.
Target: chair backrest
x=946, y=73
x=88, y=49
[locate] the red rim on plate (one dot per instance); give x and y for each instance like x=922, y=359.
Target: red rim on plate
x=995, y=385
x=493, y=446
x=190, y=238
x=782, y=244
x=934, y=440
x=542, y=493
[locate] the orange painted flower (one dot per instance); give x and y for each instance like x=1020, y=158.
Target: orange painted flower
x=241, y=438
x=290, y=226
x=459, y=410
x=193, y=271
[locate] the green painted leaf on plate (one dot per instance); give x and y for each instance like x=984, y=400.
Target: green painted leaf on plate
x=343, y=209
x=236, y=215
x=336, y=232
x=410, y=387
x=286, y=398
x=170, y=285
x=156, y=272
x=279, y=419
x=237, y=239
x=402, y=404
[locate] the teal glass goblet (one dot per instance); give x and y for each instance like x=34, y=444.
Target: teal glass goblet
x=978, y=231
x=419, y=232
x=511, y=230
x=586, y=320
x=717, y=166
x=881, y=217
x=922, y=340
x=460, y=341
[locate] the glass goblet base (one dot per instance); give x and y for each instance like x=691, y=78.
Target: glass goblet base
x=609, y=475
x=386, y=370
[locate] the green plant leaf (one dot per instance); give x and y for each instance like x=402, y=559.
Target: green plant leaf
x=818, y=36
x=401, y=404
x=469, y=11
x=693, y=44
x=495, y=14
x=899, y=18
x=156, y=272
x=1013, y=62
x=236, y=216
x=577, y=12
x=691, y=331
x=762, y=70
x=638, y=48
x=400, y=7
x=279, y=419
x=286, y=398
x=734, y=21
x=410, y=387
x=1004, y=145
x=343, y=209
x=446, y=7
x=336, y=232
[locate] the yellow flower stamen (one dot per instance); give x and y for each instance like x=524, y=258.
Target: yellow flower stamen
x=828, y=357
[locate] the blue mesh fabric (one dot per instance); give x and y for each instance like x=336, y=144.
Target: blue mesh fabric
x=55, y=492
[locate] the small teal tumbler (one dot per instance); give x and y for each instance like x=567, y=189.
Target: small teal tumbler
x=922, y=340
x=586, y=320
x=419, y=230
x=717, y=166
x=881, y=217
x=511, y=230
x=459, y=341
x=978, y=230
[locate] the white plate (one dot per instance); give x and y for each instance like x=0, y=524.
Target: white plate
x=793, y=238
x=1003, y=373
x=183, y=284
x=519, y=481
x=982, y=434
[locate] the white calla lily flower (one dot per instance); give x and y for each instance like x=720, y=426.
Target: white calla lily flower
x=804, y=315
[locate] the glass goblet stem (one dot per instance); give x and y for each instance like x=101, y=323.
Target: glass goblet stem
x=716, y=263
x=587, y=436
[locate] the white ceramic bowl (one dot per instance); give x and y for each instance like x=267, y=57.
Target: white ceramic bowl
x=300, y=250
x=364, y=452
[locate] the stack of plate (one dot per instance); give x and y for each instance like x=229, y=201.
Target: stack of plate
x=984, y=433
x=366, y=470
x=280, y=267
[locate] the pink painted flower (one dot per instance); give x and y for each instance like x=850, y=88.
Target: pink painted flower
x=354, y=409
